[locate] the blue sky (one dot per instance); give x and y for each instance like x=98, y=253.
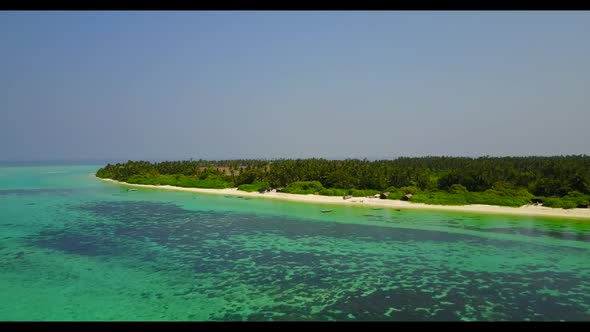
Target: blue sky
x=222, y=85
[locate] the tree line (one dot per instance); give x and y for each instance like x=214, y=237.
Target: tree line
x=549, y=177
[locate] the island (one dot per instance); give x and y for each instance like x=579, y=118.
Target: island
x=551, y=186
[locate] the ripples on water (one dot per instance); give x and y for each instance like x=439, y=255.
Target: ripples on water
x=83, y=255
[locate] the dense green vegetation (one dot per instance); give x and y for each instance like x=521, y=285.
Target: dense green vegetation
x=181, y=180
x=571, y=200
x=254, y=186
x=500, y=194
x=303, y=187
x=560, y=181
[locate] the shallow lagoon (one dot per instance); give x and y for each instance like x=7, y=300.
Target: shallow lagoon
x=76, y=248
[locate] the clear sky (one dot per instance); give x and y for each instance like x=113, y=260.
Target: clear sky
x=224, y=85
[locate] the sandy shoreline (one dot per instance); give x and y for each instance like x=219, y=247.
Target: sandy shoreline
x=527, y=210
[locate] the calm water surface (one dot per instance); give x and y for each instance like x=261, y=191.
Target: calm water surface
x=76, y=248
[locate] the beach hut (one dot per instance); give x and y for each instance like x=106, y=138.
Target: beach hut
x=383, y=195
x=406, y=197
x=347, y=197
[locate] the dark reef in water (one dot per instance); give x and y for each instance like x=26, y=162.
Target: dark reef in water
x=344, y=271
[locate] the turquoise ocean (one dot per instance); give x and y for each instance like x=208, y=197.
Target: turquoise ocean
x=74, y=248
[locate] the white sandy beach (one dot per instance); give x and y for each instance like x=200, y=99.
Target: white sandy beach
x=527, y=210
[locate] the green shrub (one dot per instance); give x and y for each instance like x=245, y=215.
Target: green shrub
x=179, y=180
x=439, y=198
x=334, y=192
x=457, y=189
x=254, y=186
x=409, y=190
x=492, y=197
x=395, y=194
x=303, y=187
x=556, y=202
x=364, y=192
x=502, y=186
x=489, y=197
x=569, y=201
